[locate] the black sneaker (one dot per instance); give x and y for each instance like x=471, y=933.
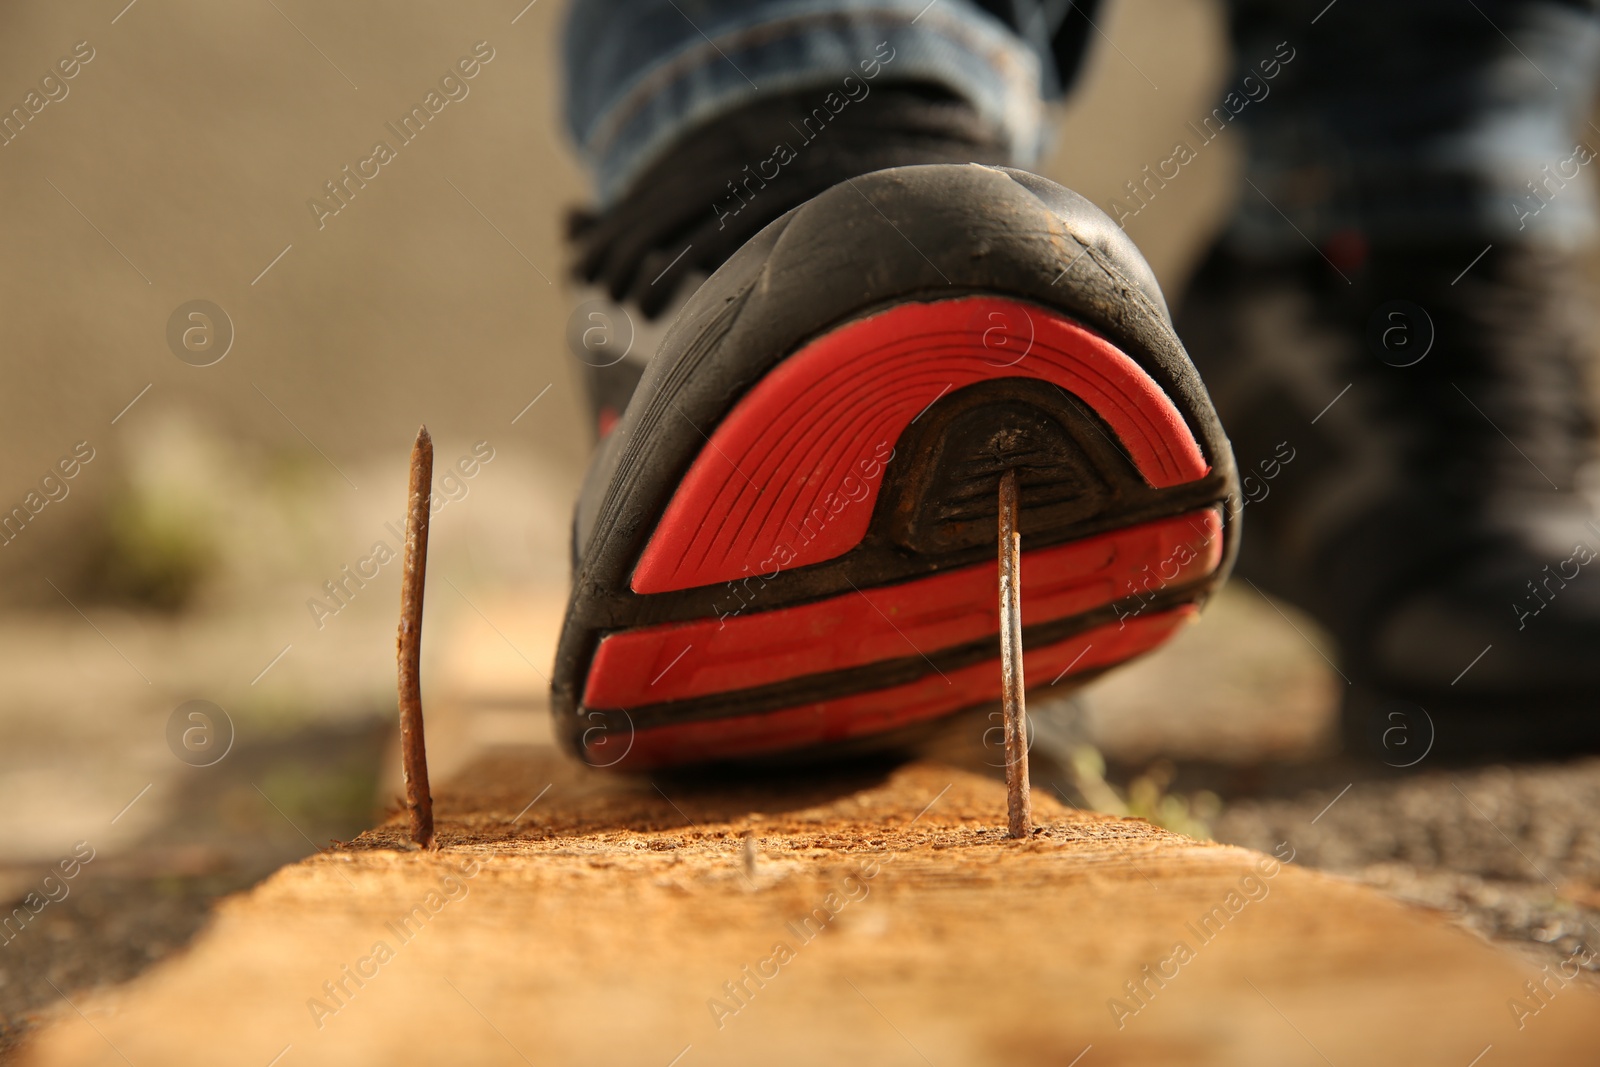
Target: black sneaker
x=719, y=185
x=1419, y=445
x=787, y=543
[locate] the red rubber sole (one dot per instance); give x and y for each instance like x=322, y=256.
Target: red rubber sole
x=789, y=477
x=881, y=710
x=743, y=651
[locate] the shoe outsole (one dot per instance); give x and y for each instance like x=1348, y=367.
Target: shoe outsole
x=819, y=570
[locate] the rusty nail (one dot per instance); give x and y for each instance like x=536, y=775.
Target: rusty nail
x=413, y=748
x=1018, y=805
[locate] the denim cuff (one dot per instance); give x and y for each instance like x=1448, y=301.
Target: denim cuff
x=632, y=91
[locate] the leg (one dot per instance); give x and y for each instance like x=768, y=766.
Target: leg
x=1392, y=330
x=703, y=122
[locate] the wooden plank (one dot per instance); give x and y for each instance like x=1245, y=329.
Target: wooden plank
x=889, y=920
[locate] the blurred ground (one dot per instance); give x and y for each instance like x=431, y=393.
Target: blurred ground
x=220, y=499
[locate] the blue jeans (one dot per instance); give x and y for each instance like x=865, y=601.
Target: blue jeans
x=1420, y=120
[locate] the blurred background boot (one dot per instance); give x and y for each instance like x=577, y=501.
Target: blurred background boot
x=1417, y=448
